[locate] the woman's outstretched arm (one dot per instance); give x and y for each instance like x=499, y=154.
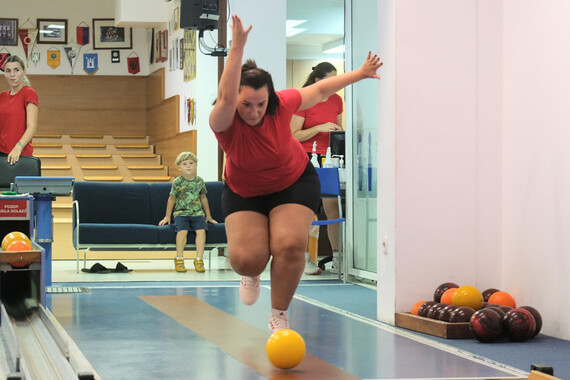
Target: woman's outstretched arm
x=224, y=110
x=321, y=90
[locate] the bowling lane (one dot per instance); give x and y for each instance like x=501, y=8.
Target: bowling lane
x=208, y=332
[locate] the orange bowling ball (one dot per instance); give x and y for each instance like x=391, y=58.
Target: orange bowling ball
x=14, y=236
x=416, y=307
x=19, y=245
x=447, y=296
x=468, y=296
x=16, y=246
x=502, y=299
x=285, y=349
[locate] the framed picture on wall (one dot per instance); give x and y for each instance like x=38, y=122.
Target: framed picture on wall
x=108, y=36
x=52, y=31
x=176, y=18
x=9, y=31
x=164, y=46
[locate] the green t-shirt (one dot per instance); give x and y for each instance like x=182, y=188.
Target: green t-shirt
x=187, y=196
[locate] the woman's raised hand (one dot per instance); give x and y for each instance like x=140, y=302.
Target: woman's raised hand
x=239, y=33
x=371, y=65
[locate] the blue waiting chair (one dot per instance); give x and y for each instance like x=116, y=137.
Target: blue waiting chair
x=330, y=185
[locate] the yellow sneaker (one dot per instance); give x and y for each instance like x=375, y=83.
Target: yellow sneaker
x=199, y=265
x=179, y=265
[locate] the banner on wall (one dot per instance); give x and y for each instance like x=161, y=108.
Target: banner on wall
x=53, y=57
x=133, y=63
x=83, y=34
x=3, y=58
x=189, y=55
x=72, y=52
x=35, y=56
x=90, y=63
x=28, y=38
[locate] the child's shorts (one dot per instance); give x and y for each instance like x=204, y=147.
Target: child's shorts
x=190, y=223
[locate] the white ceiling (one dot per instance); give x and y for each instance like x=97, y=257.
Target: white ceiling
x=325, y=24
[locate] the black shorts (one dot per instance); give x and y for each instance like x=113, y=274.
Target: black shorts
x=305, y=191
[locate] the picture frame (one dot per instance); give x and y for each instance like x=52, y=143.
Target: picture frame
x=8, y=32
x=108, y=36
x=52, y=31
x=176, y=18
x=164, y=46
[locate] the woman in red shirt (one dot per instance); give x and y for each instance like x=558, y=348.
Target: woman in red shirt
x=272, y=190
x=314, y=125
x=18, y=112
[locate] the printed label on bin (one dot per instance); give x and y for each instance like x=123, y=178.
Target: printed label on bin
x=14, y=209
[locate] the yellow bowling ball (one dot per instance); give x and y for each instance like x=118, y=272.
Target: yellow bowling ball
x=468, y=296
x=14, y=236
x=285, y=349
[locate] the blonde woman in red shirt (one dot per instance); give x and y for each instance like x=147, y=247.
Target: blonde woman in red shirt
x=18, y=112
x=272, y=190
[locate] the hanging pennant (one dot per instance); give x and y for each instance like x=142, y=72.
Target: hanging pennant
x=72, y=52
x=35, y=56
x=53, y=57
x=83, y=34
x=90, y=63
x=133, y=63
x=23, y=33
x=3, y=58
x=28, y=36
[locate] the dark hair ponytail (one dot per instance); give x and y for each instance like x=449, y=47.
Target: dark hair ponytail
x=319, y=72
x=256, y=78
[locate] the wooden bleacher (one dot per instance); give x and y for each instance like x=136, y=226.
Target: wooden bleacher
x=91, y=157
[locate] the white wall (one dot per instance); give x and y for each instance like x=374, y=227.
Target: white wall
x=266, y=41
x=447, y=187
x=537, y=159
x=481, y=169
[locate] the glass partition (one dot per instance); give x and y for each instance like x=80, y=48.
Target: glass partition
x=364, y=137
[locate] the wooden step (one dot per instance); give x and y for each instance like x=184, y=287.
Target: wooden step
x=143, y=167
x=131, y=146
x=47, y=136
x=86, y=136
x=151, y=178
x=93, y=155
x=46, y=145
x=99, y=167
x=50, y=155
x=129, y=136
x=109, y=178
x=81, y=146
x=56, y=167
x=148, y=155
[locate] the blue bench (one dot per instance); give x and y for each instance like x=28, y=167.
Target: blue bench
x=111, y=216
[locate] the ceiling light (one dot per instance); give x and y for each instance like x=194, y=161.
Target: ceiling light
x=290, y=27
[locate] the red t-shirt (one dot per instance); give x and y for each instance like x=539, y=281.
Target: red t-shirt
x=13, y=118
x=321, y=113
x=265, y=159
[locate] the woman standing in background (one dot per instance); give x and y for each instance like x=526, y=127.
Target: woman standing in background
x=312, y=126
x=18, y=112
